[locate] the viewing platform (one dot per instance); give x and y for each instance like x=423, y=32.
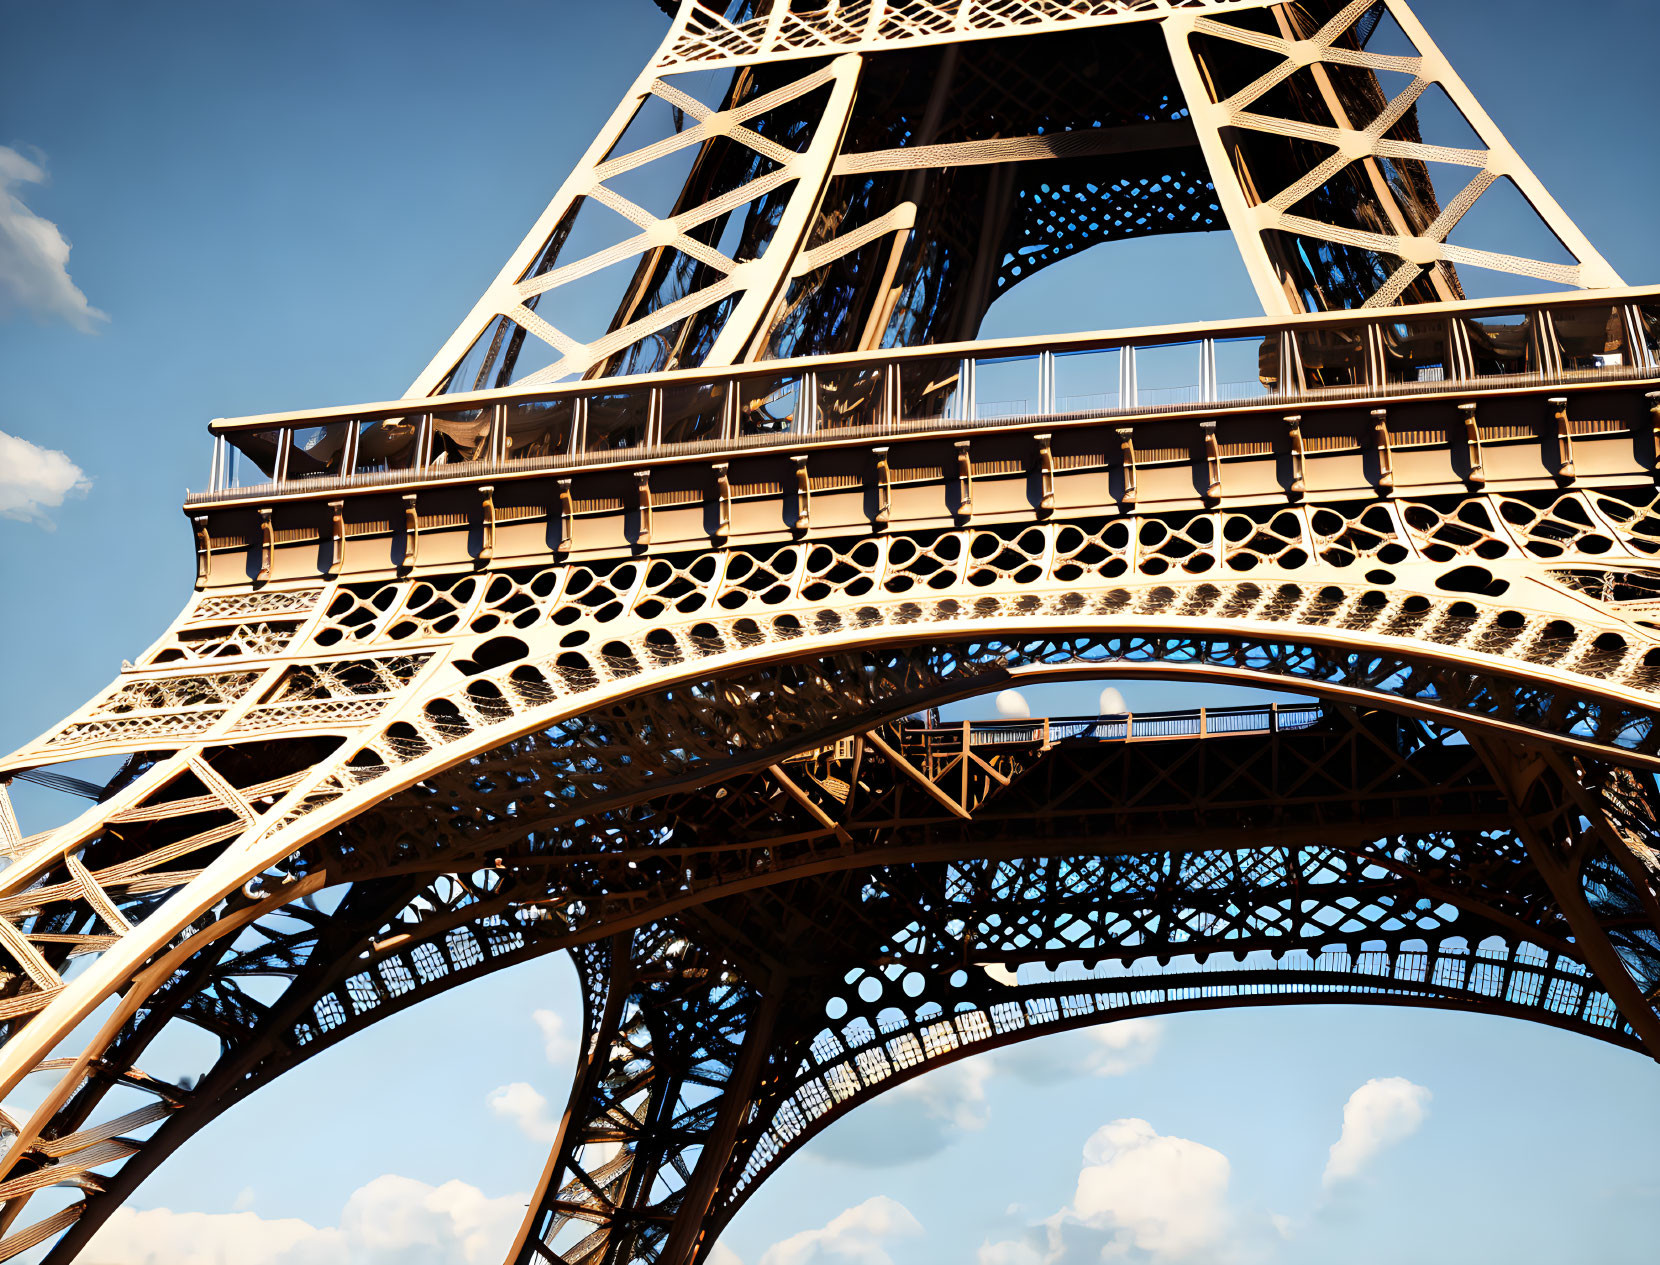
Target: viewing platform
x=1045, y=731
x=1223, y=371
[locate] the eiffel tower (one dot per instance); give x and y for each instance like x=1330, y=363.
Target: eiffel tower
x=631, y=640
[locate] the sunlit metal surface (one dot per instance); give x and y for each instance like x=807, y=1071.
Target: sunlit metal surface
x=630, y=641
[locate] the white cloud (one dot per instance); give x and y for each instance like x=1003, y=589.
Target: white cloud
x=916, y=1118
x=1012, y=704
x=720, y=1254
x=558, y=1044
x=391, y=1221
x=34, y=257
x=160, y=1236
x=1382, y=1112
x=244, y=1199
x=35, y=479
x=1008, y=1252
x=926, y=1114
x=858, y=1235
x=1117, y=1048
x=1111, y=703
x=1146, y=1198
x=525, y=1107
x=954, y=1094
x=1164, y=1197
x=1108, y=1049
x=398, y=1219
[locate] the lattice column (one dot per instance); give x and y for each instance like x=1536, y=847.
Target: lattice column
x=676, y=1031
x=1609, y=914
x=1389, y=214
x=799, y=216
x=1230, y=193
x=510, y=314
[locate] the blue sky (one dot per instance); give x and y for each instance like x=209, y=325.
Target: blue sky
x=279, y=205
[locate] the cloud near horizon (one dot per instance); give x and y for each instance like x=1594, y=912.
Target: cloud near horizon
x=1147, y=1198
x=390, y=1221
x=34, y=480
x=858, y=1236
x=34, y=256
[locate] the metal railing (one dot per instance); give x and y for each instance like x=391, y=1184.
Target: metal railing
x=1308, y=360
x=1194, y=722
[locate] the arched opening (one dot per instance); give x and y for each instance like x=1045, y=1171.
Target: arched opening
x=1255, y=1099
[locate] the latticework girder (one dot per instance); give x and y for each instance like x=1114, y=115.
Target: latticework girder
x=1374, y=859
x=643, y=669
x=493, y=813
x=878, y=173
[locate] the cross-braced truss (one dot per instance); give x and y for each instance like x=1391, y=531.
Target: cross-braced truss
x=624, y=781
x=855, y=911
x=433, y=727
x=789, y=181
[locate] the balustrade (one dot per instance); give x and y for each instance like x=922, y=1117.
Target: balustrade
x=1126, y=374
x=1189, y=723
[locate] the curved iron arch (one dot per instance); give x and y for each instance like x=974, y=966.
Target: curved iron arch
x=240, y=1076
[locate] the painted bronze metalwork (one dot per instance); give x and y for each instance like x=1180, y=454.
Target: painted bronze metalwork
x=630, y=641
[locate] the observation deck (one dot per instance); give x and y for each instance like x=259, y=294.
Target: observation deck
x=1521, y=393
x=1045, y=731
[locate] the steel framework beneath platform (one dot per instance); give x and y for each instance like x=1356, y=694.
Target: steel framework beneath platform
x=632, y=644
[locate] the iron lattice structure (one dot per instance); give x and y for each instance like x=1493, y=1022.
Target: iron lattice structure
x=630, y=644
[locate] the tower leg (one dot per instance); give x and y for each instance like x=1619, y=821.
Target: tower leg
x=670, y=1056
x=1574, y=860
x=1210, y=118
x=688, y=1240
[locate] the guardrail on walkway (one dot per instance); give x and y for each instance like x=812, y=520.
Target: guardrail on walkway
x=1514, y=344
x=1196, y=722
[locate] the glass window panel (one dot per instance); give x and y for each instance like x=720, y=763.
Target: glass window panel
x=1648, y=320
x=387, y=443
x=1501, y=343
x=849, y=397
x=1247, y=368
x=1167, y=373
x=472, y=372
x=1590, y=337
x=768, y=406
x=929, y=388
x=617, y=419
x=460, y=435
x=736, y=11
x=692, y=412
x=1087, y=381
x=318, y=450
x=540, y=428
x=1415, y=351
x=253, y=456
x=1006, y=387
x=1333, y=356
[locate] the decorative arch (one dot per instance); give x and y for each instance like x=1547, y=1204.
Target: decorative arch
x=362, y=964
